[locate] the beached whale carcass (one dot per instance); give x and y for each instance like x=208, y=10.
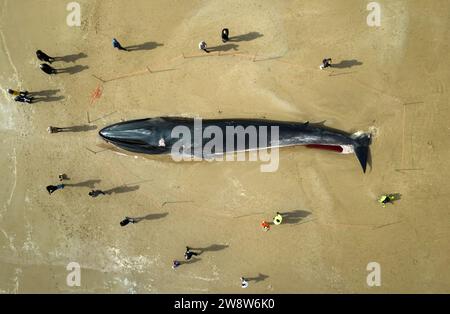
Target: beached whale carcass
x=164, y=135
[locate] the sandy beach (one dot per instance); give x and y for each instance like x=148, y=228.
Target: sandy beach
x=391, y=80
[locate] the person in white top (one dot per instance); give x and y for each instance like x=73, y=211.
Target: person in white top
x=244, y=283
x=202, y=46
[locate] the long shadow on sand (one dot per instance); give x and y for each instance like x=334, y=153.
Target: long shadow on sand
x=151, y=217
x=260, y=277
x=71, y=58
x=89, y=183
x=191, y=261
x=46, y=95
x=122, y=189
x=73, y=70
x=225, y=47
x=344, y=64
x=145, y=46
x=295, y=216
x=211, y=248
x=245, y=37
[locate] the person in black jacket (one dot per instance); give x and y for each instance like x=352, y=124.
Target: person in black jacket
x=188, y=254
x=48, y=69
x=44, y=57
x=225, y=34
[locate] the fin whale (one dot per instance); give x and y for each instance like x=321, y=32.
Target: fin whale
x=156, y=136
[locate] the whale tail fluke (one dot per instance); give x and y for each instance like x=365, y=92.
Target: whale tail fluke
x=362, y=142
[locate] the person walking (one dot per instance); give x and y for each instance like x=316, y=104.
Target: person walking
x=325, y=63
x=95, y=193
x=202, y=46
x=15, y=93
x=265, y=225
x=48, y=69
x=128, y=220
x=117, y=45
x=44, y=57
x=20, y=96
x=188, y=254
x=278, y=219
x=54, y=129
x=225, y=34
x=244, y=283
x=23, y=99
x=386, y=198
x=175, y=264
x=53, y=188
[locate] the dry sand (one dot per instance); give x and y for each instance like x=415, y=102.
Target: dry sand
x=399, y=91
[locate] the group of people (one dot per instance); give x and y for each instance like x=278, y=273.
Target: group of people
x=25, y=96
x=45, y=67
x=225, y=37
x=187, y=256
x=20, y=96
x=276, y=221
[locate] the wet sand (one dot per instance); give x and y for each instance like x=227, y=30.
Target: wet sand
x=396, y=87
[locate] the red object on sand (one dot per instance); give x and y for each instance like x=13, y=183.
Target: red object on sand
x=265, y=225
x=334, y=148
x=96, y=94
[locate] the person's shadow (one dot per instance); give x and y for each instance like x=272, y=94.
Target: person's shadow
x=71, y=58
x=260, y=277
x=145, y=46
x=88, y=183
x=346, y=64
x=151, y=217
x=294, y=216
x=122, y=189
x=225, y=47
x=191, y=261
x=44, y=93
x=245, y=37
x=211, y=248
x=396, y=196
x=46, y=96
x=73, y=70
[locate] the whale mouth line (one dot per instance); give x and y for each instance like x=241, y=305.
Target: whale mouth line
x=335, y=148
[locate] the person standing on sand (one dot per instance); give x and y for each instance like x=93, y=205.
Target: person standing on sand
x=386, y=199
x=175, y=264
x=225, y=34
x=278, y=219
x=117, y=45
x=202, y=46
x=23, y=99
x=265, y=225
x=95, y=193
x=128, y=220
x=244, y=283
x=53, y=188
x=44, y=57
x=188, y=254
x=54, y=129
x=325, y=63
x=48, y=69
x=20, y=96
x=14, y=93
